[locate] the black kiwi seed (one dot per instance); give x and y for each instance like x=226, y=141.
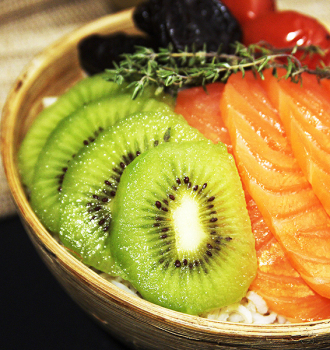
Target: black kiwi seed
x=215, y=239
x=178, y=263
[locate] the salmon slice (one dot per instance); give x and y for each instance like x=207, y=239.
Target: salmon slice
x=201, y=110
x=283, y=195
x=277, y=281
x=305, y=111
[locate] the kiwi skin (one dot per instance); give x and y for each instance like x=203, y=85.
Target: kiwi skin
x=146, y=247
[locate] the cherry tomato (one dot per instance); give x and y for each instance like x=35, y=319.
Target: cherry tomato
x=286, y=29
x=249, y=9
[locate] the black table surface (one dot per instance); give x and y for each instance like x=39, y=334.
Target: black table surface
x=35, y=311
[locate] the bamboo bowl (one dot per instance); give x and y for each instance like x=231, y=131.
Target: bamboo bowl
x=132, y=320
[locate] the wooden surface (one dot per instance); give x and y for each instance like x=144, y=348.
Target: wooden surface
x=131, y=319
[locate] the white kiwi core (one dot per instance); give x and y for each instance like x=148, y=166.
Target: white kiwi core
x=189, y=232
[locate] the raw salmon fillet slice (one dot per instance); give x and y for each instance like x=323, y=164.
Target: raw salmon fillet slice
x=201, y=110
x=277, y=282
x=282, y=193
x=305, y=112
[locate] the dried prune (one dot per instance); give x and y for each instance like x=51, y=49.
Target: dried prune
x=97, y=52
x=185, y=24
x=188, y=23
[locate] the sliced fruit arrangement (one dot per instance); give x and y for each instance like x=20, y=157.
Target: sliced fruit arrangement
x=279, y=284
x=84, y=92
x=71, y=134
x=79, y=172
x=182, y=205
x=277, y=184
x=91, y=182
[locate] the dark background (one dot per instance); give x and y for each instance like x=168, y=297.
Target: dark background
x=35, y=312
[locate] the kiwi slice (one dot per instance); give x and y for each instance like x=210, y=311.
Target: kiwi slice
x=85, y=91
x=181, y=231
x=91, y=181
x=72, y=133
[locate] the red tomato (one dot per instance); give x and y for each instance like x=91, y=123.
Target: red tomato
x=286, y=29
x=249, y=9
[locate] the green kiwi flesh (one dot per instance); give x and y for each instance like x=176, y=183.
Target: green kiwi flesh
x=91, y=181
x=71, y=134
x=85, y=91
x=180, y=231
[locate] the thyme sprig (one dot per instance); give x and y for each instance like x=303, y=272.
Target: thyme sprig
x=169, y=69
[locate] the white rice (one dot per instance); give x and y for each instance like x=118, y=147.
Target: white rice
x=251, y=310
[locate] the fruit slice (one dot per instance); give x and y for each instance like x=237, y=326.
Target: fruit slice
x=304, y=110
x=71, y=134
x=91, y=181
x=201, y=110
x=180, y=228
x=284, y=197
x=85, y=91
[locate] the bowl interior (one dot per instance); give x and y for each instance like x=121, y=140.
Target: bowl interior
x=50, y=74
